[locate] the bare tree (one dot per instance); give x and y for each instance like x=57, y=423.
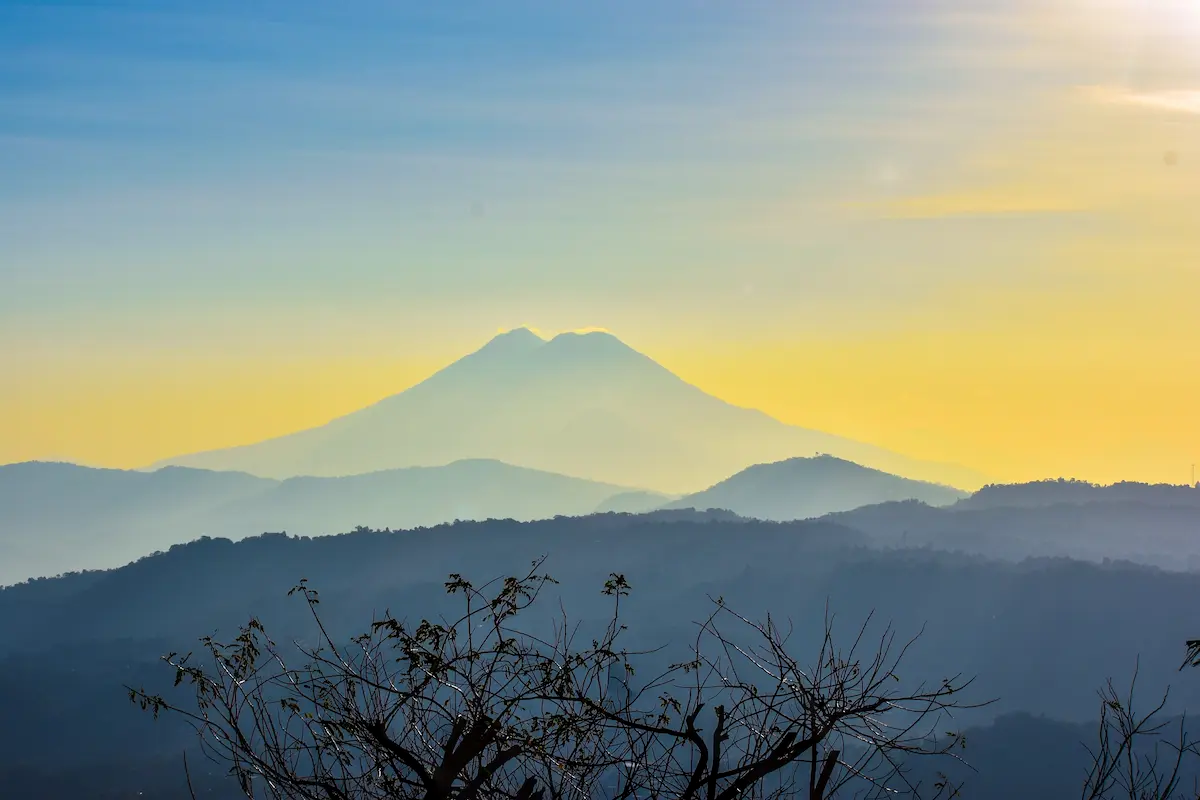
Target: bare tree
x=475, y=707
x=1139, y=755
x=781, y=728
x=462, y=708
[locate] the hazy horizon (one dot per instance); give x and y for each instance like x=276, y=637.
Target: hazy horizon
x=544, y=336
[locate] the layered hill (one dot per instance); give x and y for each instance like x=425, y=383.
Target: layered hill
x=800, y=488
x=1163, y=533
x=579, y=404
x=62, y=517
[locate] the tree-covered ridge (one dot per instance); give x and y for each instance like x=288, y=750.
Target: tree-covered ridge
x=1070, y=490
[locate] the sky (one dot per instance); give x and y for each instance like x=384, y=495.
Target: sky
x=969, y=232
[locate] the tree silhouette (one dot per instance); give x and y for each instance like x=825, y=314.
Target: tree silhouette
x=477, y=707
x=1140, y=755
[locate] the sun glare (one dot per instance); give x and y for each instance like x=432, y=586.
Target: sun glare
x=1170, y=16
x=1147, y=16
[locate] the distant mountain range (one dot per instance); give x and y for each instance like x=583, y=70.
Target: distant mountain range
x=801, y=488
x=579, y=404
x=60, y=517
x=57, y=517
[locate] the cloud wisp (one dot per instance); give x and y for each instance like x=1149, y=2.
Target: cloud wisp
x=1181, y=101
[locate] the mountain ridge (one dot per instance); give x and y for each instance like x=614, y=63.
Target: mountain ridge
x=1037, y=494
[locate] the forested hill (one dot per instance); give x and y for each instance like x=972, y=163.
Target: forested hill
x=1062, y=491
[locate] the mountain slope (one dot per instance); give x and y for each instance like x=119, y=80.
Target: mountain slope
x=800, y=488
x=579, y=404
x=636, y=502
x=60, y=517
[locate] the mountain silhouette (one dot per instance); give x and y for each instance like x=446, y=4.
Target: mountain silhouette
x=801, y=488
x=61, y=517
x=585, y=405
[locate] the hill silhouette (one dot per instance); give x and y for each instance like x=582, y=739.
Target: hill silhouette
x=58, y=516
x=1041, y=635
x=579, y=404
x=800, y=488
x=61, y=517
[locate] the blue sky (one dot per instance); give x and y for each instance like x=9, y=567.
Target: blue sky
x=229, y=150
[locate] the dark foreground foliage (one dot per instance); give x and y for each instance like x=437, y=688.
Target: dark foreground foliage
x=478, y=707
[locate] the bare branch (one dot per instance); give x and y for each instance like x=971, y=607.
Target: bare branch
x=474, y=708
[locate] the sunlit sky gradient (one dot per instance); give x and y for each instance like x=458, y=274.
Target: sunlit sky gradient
x=965, y=231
